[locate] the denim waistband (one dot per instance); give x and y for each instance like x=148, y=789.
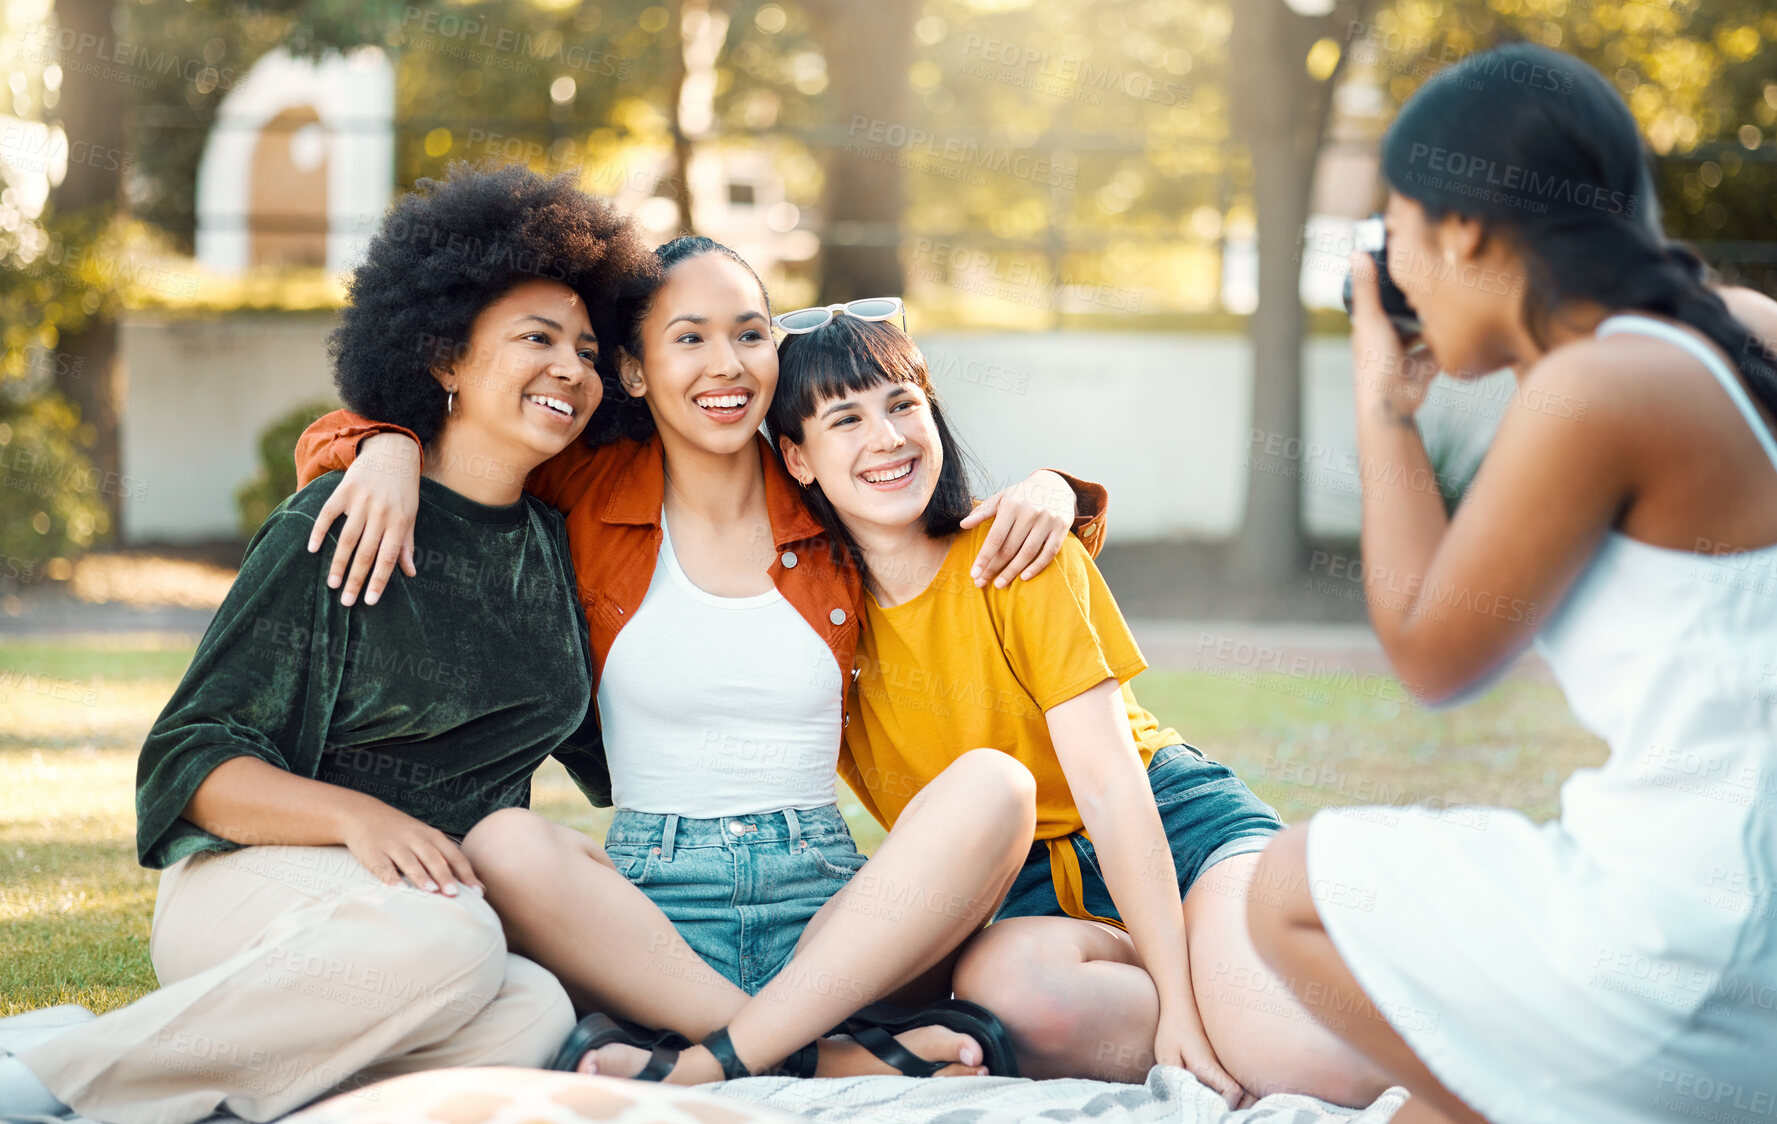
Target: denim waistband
x=670, y=832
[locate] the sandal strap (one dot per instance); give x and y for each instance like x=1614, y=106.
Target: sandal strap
x=661, y=1061
x=889, y=1050
x=721, y=1047
x=802, y=1063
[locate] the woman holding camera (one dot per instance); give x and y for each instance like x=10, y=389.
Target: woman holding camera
x=1616, y=964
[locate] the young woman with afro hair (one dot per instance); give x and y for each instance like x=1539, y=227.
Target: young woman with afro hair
x=307, y=789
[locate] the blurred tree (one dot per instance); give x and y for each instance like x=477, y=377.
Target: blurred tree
x=1064, y=160
x=867, y=49
x=1285, y=69
x=88, y=194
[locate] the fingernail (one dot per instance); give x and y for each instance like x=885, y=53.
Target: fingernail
x=430, y=887
x=450, y=890
x=332, y=581
x=345, y=599
x=370, y=598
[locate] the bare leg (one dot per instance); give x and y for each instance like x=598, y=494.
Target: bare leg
x=1072, y=994
x=1264, y=1037
x=1078, y=1003
x=1287, y=932
x=552, y=886
x=899, y=916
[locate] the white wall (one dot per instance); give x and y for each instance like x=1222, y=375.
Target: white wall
x=1162, y=420
x=198, y=393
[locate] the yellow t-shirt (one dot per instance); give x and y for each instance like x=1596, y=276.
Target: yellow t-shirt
x=957, y=668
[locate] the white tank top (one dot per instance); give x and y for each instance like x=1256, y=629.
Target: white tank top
x=718, y=706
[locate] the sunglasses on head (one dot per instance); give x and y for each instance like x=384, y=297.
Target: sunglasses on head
x=869, y=308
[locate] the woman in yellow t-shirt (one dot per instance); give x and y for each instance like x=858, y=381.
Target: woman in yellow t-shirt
x=1123, y=940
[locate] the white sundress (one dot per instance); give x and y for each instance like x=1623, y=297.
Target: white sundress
x=1619, y=964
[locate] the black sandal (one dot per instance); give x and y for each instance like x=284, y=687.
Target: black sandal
x=721, y=1047
x=875, y=1027
x=595, y=1030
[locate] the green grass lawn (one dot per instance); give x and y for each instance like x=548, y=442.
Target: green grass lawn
x=75, y=908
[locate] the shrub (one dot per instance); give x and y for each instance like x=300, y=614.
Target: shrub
x=276, y=480
x=51, y=498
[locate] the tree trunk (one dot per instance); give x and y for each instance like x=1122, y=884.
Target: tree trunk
x=1283, y=111
x=92, y=115
x=868, y=48
x=683, y=13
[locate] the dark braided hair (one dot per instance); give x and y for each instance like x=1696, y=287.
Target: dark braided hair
x=1541, y=149
x=628, y=418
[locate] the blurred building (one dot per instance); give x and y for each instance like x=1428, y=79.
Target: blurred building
x=300, y=163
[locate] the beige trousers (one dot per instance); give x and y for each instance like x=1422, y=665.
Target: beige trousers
x=289, y=973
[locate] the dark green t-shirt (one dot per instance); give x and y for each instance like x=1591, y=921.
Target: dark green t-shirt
x=440, y=700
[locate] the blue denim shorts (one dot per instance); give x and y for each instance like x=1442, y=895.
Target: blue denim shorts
x=1208, y=813
x=739, y=889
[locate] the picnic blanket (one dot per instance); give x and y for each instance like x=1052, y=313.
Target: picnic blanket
x=528, y=1096
x=514, y=1096
x=1169, y=1094
x=508, y=1096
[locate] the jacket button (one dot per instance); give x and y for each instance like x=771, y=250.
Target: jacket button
x=789, y=560
x=837, y=616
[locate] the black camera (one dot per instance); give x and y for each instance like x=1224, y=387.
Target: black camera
x=1371, y=237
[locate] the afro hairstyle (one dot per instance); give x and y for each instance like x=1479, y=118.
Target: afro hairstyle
x=452, y=247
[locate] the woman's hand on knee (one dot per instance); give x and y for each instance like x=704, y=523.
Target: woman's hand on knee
x=393, y=845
